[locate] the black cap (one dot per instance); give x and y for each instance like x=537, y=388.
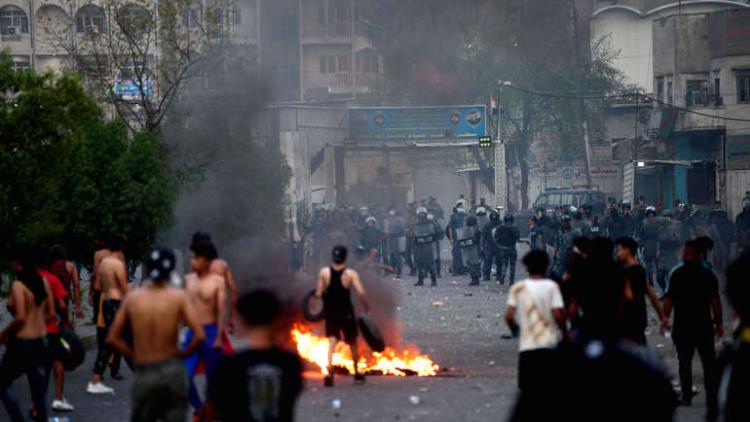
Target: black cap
x=338, y=256
x=160, y=264
x=201, y=237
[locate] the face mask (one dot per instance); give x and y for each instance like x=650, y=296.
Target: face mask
x=460, y=210
x=430, y=217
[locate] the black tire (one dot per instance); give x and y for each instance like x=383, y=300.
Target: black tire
x=371, y=334
x=310, y=316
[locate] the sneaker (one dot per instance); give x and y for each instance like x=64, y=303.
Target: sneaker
x=328, y=381
x=359, y=379
x=62, y=406
x=99, y=388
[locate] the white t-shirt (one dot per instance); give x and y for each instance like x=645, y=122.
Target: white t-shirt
x=534, y=301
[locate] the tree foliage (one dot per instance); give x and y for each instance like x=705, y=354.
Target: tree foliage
x=67, y=173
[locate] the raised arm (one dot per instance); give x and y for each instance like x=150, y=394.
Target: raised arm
x=116, y=338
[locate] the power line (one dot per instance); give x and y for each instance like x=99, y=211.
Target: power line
x=625, y=95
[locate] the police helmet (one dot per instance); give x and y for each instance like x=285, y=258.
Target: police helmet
x=565, y=218
x=421, y=210
x=481, y=211
x=651, y=210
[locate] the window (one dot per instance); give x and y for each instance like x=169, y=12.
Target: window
x=191, y=18
x=327, y=64
x=696, y=93
x=90, y=18
x=660, y=89
x=367, y=61
x=345, y=63
x=716, y=94
x=13, y=23
x=743, y=88
x=133, y=20
x=670, y=91
x=284, y=28
x=236, y=16
x=21, y=65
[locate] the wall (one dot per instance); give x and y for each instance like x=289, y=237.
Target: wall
x=631, y=35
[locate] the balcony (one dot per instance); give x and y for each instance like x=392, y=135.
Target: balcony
x=338, y=33
x=340, y=83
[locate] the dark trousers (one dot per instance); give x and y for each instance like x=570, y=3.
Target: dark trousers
x=424, y=269
x=650, y=264
x=507, y=260
x=24, y=356
x=534, y=367
x=458, y=263
x=105, y=352
x=489, y=257
x=686, y=348
x=96, y=296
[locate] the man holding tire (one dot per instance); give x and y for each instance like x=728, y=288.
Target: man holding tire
x=335, y=284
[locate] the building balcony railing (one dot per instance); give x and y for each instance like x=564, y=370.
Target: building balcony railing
x=11, y=38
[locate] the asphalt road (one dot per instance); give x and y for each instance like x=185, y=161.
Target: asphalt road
x=464, y=335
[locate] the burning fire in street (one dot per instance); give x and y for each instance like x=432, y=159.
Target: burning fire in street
x=314, y=349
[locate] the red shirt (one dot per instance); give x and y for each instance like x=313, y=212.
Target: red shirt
x=58, y=293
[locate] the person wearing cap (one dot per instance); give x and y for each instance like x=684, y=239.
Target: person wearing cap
x=335, y=285
x=155, y=314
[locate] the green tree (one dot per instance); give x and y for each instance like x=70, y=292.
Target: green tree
x=68, y=174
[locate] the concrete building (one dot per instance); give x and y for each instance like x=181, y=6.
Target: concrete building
x=692, y=141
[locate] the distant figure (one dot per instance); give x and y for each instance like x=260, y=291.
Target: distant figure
x=30, y=303
x=637, y=290
x=155, y=314
x=221, y=268
x=693, y=293
x=506, y=237
x=113, y=278
x=334, y=287
x=263, y=382
x=207, y=293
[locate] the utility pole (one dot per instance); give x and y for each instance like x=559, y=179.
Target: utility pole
x=501, y=184
x=582, y=101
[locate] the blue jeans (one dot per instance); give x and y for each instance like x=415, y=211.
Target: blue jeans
x=205, y=353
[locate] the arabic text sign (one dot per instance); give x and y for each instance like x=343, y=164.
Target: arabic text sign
x=418, y=123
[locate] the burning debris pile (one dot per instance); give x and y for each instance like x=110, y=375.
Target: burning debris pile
x=408, y=362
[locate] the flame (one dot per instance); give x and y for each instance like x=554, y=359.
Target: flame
x=314, y=349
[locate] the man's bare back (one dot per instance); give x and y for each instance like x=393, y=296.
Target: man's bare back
x=155, y=314
x=98, y=257
x=113, y=277
x=349, y=279
x=207, y=295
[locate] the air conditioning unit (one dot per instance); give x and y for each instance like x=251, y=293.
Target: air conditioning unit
x=13, y=30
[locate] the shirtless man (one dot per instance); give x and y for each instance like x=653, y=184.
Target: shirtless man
x=95, y=289
x=206, y=292
x=156, y=313
x=334, y=287
x=221, y=268
x=113, y=278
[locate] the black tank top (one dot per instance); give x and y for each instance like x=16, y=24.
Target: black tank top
x=337, y=298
